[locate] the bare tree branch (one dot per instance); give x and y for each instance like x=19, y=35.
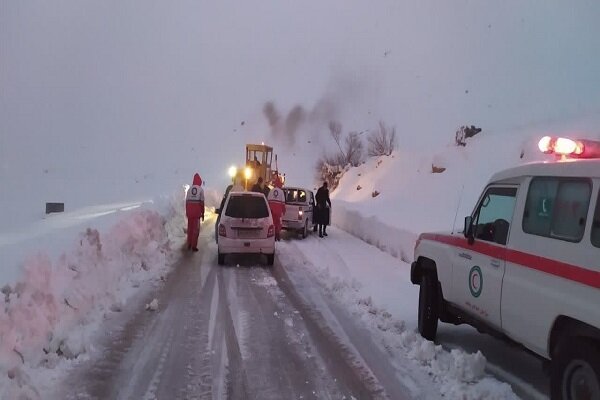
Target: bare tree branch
x=382, y=141
x=335, y=129
x=354, y=149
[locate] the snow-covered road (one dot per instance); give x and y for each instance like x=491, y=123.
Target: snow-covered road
x=291, y=331
x=232, y=332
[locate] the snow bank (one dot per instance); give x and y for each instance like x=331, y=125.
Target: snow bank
x=51, y=313
x=373, y=287
x=412, y=199
x=393, y=240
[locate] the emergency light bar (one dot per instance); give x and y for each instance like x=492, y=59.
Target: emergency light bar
x=565, y=147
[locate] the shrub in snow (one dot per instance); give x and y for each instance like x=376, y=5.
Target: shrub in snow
x=358, y=187
x=335, y=130
x=331, y=171
x=437, y=170
x=354, y=149
x=465, y=132
x=375, y=194
x=381, y=141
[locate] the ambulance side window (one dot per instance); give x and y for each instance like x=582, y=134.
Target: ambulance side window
x=557, y=208
x=494, y=214
x=596, y=224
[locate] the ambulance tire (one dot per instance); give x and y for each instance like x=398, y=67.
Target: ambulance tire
x=221, y=258
x=428, y=309
x=575, y=370
x=305, y=230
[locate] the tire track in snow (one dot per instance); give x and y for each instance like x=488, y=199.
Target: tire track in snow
x=350, y=356
x=237, y=381
x=163, y=354
x=281, y=359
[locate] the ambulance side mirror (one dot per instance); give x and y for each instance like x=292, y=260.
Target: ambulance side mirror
x=468, y=229
x=217, y=211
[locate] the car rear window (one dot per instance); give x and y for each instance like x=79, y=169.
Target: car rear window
x=295, y=196
x=247, y=206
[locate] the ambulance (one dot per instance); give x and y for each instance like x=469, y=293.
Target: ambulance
x=526, y=267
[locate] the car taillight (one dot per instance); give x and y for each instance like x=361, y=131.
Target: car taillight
x=300, y=214
x=271, y=231
x=222, y=230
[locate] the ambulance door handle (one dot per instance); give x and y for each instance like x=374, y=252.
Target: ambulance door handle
x=495, y=263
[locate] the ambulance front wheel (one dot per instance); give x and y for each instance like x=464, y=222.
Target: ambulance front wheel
x=428, y=310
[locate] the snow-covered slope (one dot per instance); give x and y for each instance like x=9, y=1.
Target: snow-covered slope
x=412, y=199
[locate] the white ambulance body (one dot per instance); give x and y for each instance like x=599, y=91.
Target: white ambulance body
x=527, y=266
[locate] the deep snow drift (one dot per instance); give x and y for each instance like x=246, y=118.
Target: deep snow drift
x=52, y=313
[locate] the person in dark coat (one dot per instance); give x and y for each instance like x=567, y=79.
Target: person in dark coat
x=236, y=186
x=259, y=187
x=323, y=209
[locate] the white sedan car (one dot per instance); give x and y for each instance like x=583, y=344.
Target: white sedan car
x=246, y=226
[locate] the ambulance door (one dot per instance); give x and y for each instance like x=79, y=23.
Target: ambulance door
x=480, y=262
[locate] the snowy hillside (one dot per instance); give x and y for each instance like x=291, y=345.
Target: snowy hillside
x=412, y=199
x=121, y=109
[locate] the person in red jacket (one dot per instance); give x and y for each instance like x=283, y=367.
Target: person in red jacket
x=276, y=200
x=194, y=211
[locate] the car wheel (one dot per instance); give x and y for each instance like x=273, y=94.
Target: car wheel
x=575, y=371
x=270, y=259
x=305, y=230
x=428, y=310
x=221, y=258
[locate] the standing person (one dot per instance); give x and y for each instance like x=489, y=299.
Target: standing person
x=259, y=186
x=194, y=211
x=323, y=209
x=238, y=183
x=277, y=205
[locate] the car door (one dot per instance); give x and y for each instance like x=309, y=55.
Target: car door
x=311, y=208
x=480, y=263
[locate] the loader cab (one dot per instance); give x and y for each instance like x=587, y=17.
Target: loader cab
x=259, y=159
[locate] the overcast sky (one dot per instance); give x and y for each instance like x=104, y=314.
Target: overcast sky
x=115, y=88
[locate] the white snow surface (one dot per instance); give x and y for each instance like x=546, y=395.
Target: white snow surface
x=376, y=287
x=54, y=309
x=413, y=200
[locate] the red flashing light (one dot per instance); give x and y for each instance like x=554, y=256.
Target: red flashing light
x=545, y=145
x=565, y=147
